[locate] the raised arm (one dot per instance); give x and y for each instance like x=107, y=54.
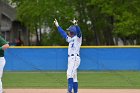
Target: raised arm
x=79, y=34
x=75, y=22
x=61, y=31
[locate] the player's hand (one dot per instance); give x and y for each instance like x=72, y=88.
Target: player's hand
x=4, y=47
x=56, y=23
x=74, y=21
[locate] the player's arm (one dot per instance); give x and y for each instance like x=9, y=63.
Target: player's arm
x=79, y=34
x=64, y=35
x=75, y=22
x=5, y=45
x=61, y=31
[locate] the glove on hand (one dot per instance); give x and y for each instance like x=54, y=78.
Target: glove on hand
x=74, y=21
x=56, y=23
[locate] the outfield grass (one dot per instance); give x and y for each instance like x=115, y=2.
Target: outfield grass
x=91, y=79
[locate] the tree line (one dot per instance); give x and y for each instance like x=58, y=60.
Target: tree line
x=103, y=22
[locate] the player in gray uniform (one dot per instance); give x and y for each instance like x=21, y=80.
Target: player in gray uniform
x=3, y=46
x=74, y=38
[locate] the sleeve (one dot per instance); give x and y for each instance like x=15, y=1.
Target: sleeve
x=79, y=34
x=3, y=42
x=0, y=48
x=62, y=32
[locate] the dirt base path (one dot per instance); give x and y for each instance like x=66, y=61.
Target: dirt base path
x=64, y=90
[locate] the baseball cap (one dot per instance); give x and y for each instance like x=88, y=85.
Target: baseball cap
x=72, y=29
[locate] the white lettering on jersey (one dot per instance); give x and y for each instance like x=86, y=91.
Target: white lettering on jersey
x=74, y=44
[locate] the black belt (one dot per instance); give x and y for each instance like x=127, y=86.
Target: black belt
x=73, y=55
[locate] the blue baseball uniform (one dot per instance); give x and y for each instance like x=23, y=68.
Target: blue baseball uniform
x=73, y=55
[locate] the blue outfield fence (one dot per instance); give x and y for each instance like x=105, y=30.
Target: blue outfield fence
x=55, y=58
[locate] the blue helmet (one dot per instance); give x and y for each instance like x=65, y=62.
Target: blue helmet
x=72, y=29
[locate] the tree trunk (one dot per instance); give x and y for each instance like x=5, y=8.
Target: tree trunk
x=108, y=31
x=40, y=35
x=108, y=36
x=124, y=41
x=37, y=37
x=29, y=35
x=138, y=40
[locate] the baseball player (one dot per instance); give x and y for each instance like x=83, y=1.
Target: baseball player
x=3, y=46
x=74, y=38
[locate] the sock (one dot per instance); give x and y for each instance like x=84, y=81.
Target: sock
x=75, y=87
x=70, y=85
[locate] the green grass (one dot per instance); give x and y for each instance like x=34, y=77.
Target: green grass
x=91, y=79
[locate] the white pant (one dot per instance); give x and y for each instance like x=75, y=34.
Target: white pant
x=73, y=64
x=2, y=64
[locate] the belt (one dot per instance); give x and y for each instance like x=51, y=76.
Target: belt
x=73, y=55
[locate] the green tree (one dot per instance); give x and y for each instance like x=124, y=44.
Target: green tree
x=110, y=19
x=36, y=14
x=101, y=21
x=97, y=26
x=125, y=18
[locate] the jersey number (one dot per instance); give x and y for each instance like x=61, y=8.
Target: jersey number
x=72, y=45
